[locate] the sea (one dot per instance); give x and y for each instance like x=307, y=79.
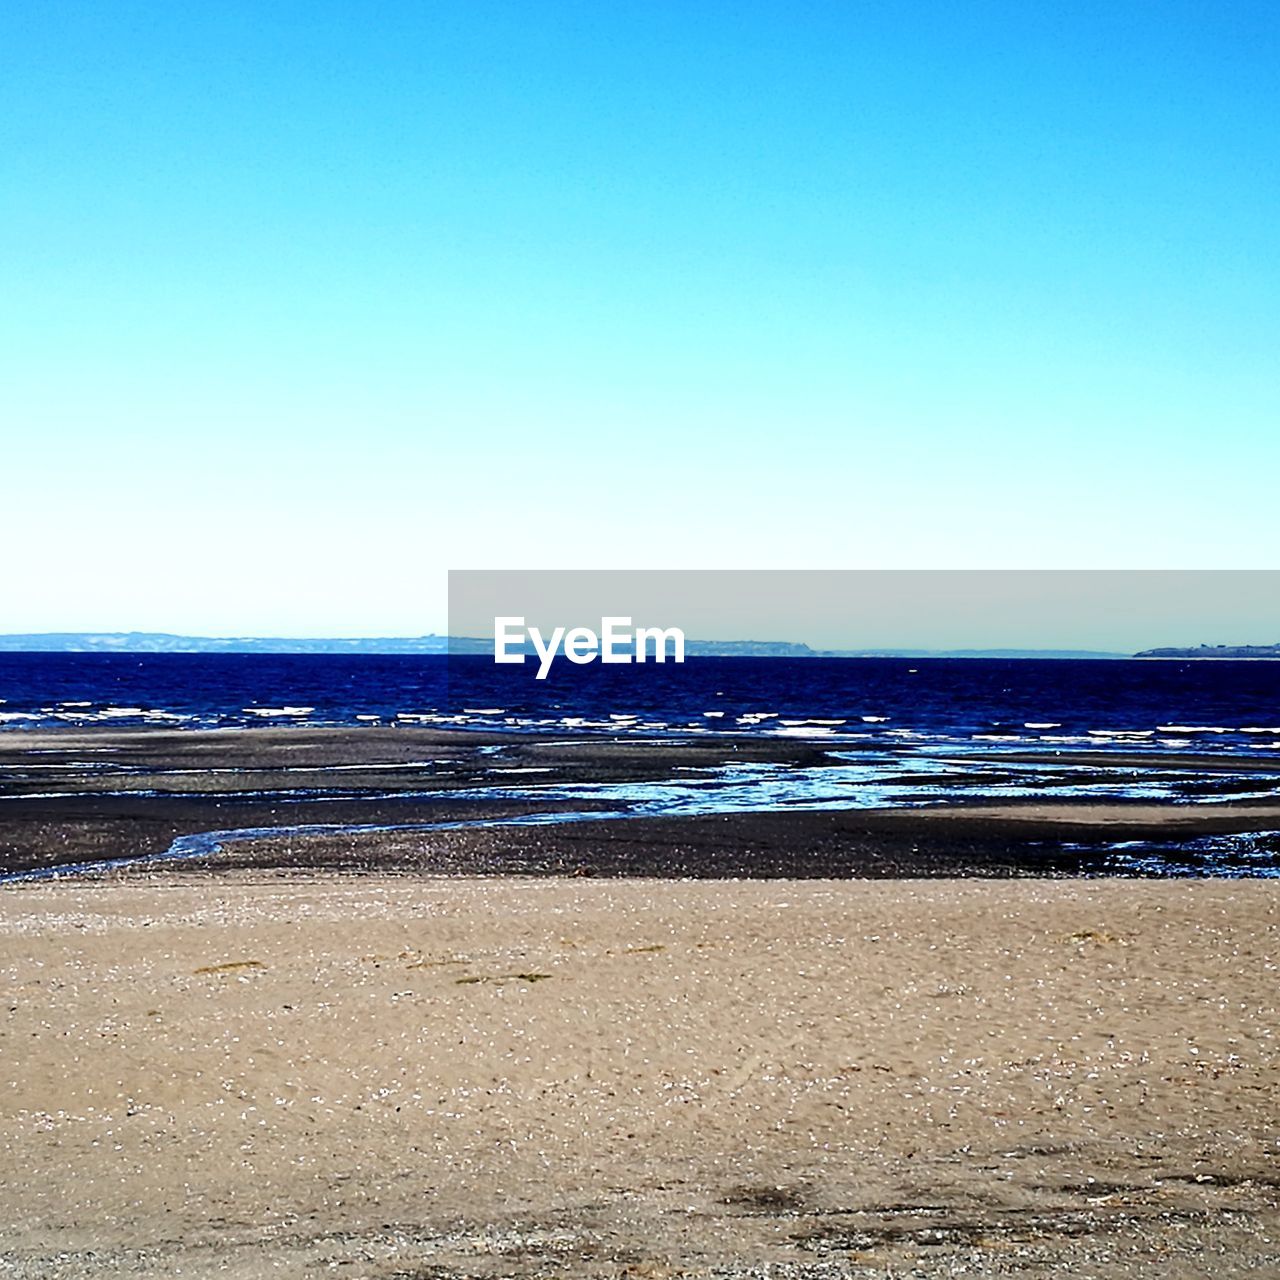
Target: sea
x=1135, y=704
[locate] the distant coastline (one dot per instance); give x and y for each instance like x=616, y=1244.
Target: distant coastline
x=164, y=642
x=1215, y=651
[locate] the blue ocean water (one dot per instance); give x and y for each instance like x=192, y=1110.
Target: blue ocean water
x=1231, y=706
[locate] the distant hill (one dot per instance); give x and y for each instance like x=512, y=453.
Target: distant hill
x=1216, y=651
x=163, y=642
x=968, y=653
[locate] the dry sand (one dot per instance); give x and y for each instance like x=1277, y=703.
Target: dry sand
x=294, y=1075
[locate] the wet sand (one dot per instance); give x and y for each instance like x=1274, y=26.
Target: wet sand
x=73, y=796
x=296, y=1075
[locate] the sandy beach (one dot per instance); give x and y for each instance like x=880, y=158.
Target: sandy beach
x=294, y=1075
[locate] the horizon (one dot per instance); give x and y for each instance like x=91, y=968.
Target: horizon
x=105, y=642
x=1112, y=612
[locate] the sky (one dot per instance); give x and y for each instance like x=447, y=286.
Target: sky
x=306, y=304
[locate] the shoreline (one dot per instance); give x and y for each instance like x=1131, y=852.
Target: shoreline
x=467, y=802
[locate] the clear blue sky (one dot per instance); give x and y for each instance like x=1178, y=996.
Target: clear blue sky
x=306, y=303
